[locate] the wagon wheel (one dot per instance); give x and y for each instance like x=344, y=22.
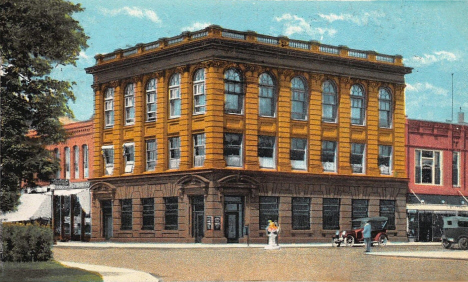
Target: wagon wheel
x=382, y=241
x=349, y=241
x=446, y=244
x=463, y=243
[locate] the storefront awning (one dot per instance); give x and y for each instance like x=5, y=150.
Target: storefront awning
x=83, y=195
x=31, y=207
x=433, y=207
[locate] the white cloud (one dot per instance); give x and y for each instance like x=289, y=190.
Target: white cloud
x=426, y=89
x=133, y=12
x=429, y=59
x=363, y=19
x=294, y=24
x=196, y=26
x=83, y=55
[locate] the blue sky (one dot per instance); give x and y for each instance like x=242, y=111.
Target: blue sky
x=432, y=37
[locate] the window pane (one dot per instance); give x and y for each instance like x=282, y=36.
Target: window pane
x=301, y=213
x=331, y=214
x=387, y=209
x=171, y=213
x=269, y=210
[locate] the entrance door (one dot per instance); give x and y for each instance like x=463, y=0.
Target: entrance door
x=233, y=218
x=198, y=215
x=106, y=207
x=425, y=227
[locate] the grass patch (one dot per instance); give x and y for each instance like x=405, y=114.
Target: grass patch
x=45, y=271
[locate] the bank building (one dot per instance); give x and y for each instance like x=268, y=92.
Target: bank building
x=208, y=135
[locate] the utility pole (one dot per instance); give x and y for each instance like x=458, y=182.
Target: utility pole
x=452, y=97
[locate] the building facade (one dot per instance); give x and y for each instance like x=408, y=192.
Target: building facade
x=206, y=136
x=437, y=169
x=70, y=188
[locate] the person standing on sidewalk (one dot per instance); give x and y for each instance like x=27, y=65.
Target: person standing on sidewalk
x=367, y=236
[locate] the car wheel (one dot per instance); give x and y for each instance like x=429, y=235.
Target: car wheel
x=334, y=243
x=446, y=244
x=382, y=241
x=349, y=241
x=463, y=243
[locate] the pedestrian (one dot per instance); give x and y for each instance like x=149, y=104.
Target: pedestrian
x=367, y=236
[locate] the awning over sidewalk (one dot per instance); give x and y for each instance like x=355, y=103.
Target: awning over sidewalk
x=83, y=195
x=31, y=207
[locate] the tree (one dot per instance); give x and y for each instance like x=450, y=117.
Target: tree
x=35, y=37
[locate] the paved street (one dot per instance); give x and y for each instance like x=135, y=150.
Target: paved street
x=288, y=264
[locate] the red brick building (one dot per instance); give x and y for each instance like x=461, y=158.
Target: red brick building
x=70, y=188
x=437, y=169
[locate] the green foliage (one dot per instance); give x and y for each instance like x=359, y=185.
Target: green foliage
x=35, y=37
x=30, y=242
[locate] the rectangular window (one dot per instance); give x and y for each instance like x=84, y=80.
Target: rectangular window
x=126, y=214
x=174, y=152
x=357, y=158
x=108, y=155
x=456, y=169
x=109, y=107
x=331, y=214
x=233, y=149
x=148, y=213
x=175, y=101
x=85, y=161
x=199, y=97
x=269, y=210
x=67, y=163
x=385, y=160
x=76, y=161
x=129, y=157
x=171, y=213
x=151, y=92
x=300, y=213
x=427, y=167
x=329, y=156
x=151, y=154
x=198, y=149
x=360, y=209
x=298, y=153
x=130, y=104
x=387, y=209
x=266, y=151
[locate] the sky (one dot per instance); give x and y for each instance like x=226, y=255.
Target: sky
x=432, y=37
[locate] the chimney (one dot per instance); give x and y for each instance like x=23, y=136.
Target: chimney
x=461, y=117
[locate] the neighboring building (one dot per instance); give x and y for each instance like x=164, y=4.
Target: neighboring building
x=206, y=136
x=72, y=201
x=437, y=169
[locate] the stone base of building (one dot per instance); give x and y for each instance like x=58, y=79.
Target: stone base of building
x=224, y=206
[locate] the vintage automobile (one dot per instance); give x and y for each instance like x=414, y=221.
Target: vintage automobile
x=351, y=237
x=455, y=231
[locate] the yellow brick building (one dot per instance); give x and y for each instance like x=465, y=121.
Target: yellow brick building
x=205, y=136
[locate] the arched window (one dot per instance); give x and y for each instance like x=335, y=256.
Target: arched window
x=151, y=91
x=233, y=92
x=329, y=101
x=67, y=163
x=76, y=161
x=298, y=99
x=130, y=103
x=57, y=155
x=385, y=108
x=199, y=96
x=267, y=96
x=174, y=95
x=85, y=161
x=109, y=107
x=358, y=105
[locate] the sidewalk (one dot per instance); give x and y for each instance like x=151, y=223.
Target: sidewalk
x=76, y=244
x=113, y=274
